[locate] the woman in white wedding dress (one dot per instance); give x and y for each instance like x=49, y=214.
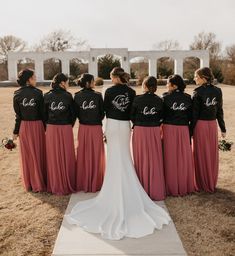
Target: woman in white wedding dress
x=122, y=208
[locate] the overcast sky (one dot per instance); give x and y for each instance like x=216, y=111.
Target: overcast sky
x=134, y=24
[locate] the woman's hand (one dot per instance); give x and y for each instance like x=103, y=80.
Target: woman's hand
x=223, y=134
x=104, y=138
x=15, y=136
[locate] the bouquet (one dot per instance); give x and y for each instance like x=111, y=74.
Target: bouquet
x=225, y=145
x=8, y=144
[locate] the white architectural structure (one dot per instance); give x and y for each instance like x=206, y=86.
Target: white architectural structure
x=92, y=58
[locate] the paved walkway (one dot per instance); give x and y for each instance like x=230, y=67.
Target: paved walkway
x=72, y=240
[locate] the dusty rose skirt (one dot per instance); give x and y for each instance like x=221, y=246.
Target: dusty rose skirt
x=206, y=154
x=90, y=164
x=148, y=161
x=60, y=159
x=33, y=155
x=178, y=160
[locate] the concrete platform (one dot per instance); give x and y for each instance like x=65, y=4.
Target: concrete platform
x=72, y=240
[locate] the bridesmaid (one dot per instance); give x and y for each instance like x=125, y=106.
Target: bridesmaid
x=146, y=115
x=90, y=152
x=178, y=158
x=28, y=106
x=207, y=107
x=60, y=118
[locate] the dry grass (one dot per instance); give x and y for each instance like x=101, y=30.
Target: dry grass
x=29, y=222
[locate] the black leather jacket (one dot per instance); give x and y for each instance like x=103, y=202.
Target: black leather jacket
x=208, y=105
x=147, y=110
x=118, y=100
x=177, y=108
x=28, y=105
x=59, y=107
x=89, y=107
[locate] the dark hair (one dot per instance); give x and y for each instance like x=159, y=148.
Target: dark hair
x=151, y=83
x=178, y=81
x=85, y=80
x=57, y=79
x=24, y=75
x=205, y=73
x=119, y=72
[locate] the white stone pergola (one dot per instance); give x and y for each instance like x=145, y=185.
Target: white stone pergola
x=93, y=54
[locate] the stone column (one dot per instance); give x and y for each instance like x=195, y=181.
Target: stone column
x=12, y=70
x=93, y=66
x=204, y=62
x=153, y=67
x=39, y=69
x=65, y=66
x=125, y=64
x=178, y=69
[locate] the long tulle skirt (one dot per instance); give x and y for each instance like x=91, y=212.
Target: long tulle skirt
x=178, y=160
x=60, y=159
x=90, y=164
x=148, y=160
x=206, y=154
x=33, y=155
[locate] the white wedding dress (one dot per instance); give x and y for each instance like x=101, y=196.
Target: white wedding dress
x=122, y=208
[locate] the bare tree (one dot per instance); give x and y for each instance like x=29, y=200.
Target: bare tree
x=59, y=41
x=10, y=43
x=230, y=50
x=228, y=66
x=167, y=45
x=206, y=41
x=165, y=65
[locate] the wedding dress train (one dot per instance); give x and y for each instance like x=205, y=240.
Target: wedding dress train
x=122, y=208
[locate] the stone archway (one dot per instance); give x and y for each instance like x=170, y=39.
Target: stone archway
x=77, y=67
x=51, y=67
x=105, y=64
x=62, y=60
x=165, y=67
x=25, y=63
x=139, y=67
x=190, y=64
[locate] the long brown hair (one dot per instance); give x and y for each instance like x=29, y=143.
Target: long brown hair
x=24, y=75
x=119, y=72
x=205, y=73
x=151, y=83
x=57, y=79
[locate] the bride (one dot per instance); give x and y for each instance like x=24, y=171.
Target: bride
x=122, y=208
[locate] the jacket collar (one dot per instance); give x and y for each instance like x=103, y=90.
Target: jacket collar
x=87, y=90
x=58, y=88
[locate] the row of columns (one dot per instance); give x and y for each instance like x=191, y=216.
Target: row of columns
x=93, y=67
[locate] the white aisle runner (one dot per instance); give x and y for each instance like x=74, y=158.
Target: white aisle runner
x=72, y=240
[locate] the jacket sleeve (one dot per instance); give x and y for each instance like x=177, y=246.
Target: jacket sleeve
x=133, y=112
x=161, y=112
x=134, y=95
x=73, y=111
x=101, y=104
x=45, y=111
x=76, y=106
x=196, y=109
x=190, y=118
x=17, y=115
x=220, y=113
x=41, y=109
x=164, y=108
x=106, y=101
